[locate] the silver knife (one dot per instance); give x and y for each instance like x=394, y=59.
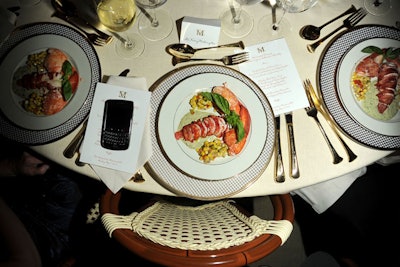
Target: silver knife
x=294, y=165
x=279, y=170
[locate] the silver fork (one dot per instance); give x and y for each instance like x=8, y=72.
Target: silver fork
x=227, y=60
x=93, y=38
x=313, y=112
x=348, y=23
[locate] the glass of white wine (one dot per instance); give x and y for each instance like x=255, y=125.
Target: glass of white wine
x=119, y=16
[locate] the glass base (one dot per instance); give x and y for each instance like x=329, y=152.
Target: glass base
x=130, y=51
x=266, y=29
x=236, y=30
x=380, y=10
x=152, y=33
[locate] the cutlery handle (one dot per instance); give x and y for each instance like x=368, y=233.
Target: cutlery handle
x=335, y=155
x=239, y=44
x=294, y=165
x=67, y=19
x=311, y=47
x=352, y=156
x=348, y=11
x=279, y=170
x=73, y=147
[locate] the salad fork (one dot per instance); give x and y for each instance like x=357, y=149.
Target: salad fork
x=313, y=112
x=227, y=60
x=348, y=23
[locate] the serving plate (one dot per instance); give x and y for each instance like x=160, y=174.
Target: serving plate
x=335, y=69
x=24, y=127
x=175, y=165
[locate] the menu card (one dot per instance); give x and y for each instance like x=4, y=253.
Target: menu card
x=92, y=151
x=271, y=66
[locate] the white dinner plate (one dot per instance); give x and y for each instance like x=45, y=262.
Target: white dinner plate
x=346, y=68
x=175, y=165
x=25, y=127
x=336, y=66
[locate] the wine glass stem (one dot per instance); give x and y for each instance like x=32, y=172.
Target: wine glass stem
x=275, y=26
x=154, y=20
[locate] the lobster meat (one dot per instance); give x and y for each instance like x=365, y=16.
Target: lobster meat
x=217, y=126
x=211, y=125
x=387, y=82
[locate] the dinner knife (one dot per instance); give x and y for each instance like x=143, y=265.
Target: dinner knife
x=279, y=170
x=294, y=165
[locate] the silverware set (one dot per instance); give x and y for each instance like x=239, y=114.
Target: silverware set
x=67, y=11
x=313, y=110
x=227, y=60
x=294, y=165
x=348, y=23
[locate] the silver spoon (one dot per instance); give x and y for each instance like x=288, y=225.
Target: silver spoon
x=187, y=51
x=311, y=32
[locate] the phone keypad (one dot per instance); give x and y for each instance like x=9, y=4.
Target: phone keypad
x=116, y=140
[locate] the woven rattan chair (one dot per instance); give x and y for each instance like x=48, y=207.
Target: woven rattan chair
x=217, y=233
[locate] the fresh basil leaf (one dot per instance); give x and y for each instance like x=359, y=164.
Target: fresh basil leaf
x=66, y=85
x=372, y=49
x=66, y=90
x=67, y=69
x=221, y=103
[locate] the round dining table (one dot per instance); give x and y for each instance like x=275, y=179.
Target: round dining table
x=314, y=158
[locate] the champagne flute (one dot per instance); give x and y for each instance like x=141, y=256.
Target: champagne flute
x=236, y=22
x=119, y=16
x=154, y=25
x=377, y=7
x=270, y=26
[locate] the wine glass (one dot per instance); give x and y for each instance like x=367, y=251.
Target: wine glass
x=119, y=16
x=272, y=25
x=154, y=25
x=377, y=7
x=236, y=22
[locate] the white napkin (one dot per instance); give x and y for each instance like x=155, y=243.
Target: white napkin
x=114, y=179
x=323, y=195
x=7, y=21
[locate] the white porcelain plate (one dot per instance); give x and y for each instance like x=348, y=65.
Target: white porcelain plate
x=353, y=106
x=336, y=66
x=177, y=166
x=25, y=127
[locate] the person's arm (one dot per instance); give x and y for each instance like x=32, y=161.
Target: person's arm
x=21, y=249
x=25, y=165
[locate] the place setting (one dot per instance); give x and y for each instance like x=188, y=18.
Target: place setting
x=361, y=100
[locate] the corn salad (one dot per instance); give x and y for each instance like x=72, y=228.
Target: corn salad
x=360, y=85
x=211, y=150
x=198, y=102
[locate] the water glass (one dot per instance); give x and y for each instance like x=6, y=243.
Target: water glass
x=297, y=6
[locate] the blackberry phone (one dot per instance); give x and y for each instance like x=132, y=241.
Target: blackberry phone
x=117, y=124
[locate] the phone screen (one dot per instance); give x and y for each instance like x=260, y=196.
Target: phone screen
x=117, y=123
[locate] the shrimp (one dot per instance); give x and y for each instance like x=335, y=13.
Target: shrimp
x=230, y=138
x=369, y=66
x=224, y=91
x=54, y=60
